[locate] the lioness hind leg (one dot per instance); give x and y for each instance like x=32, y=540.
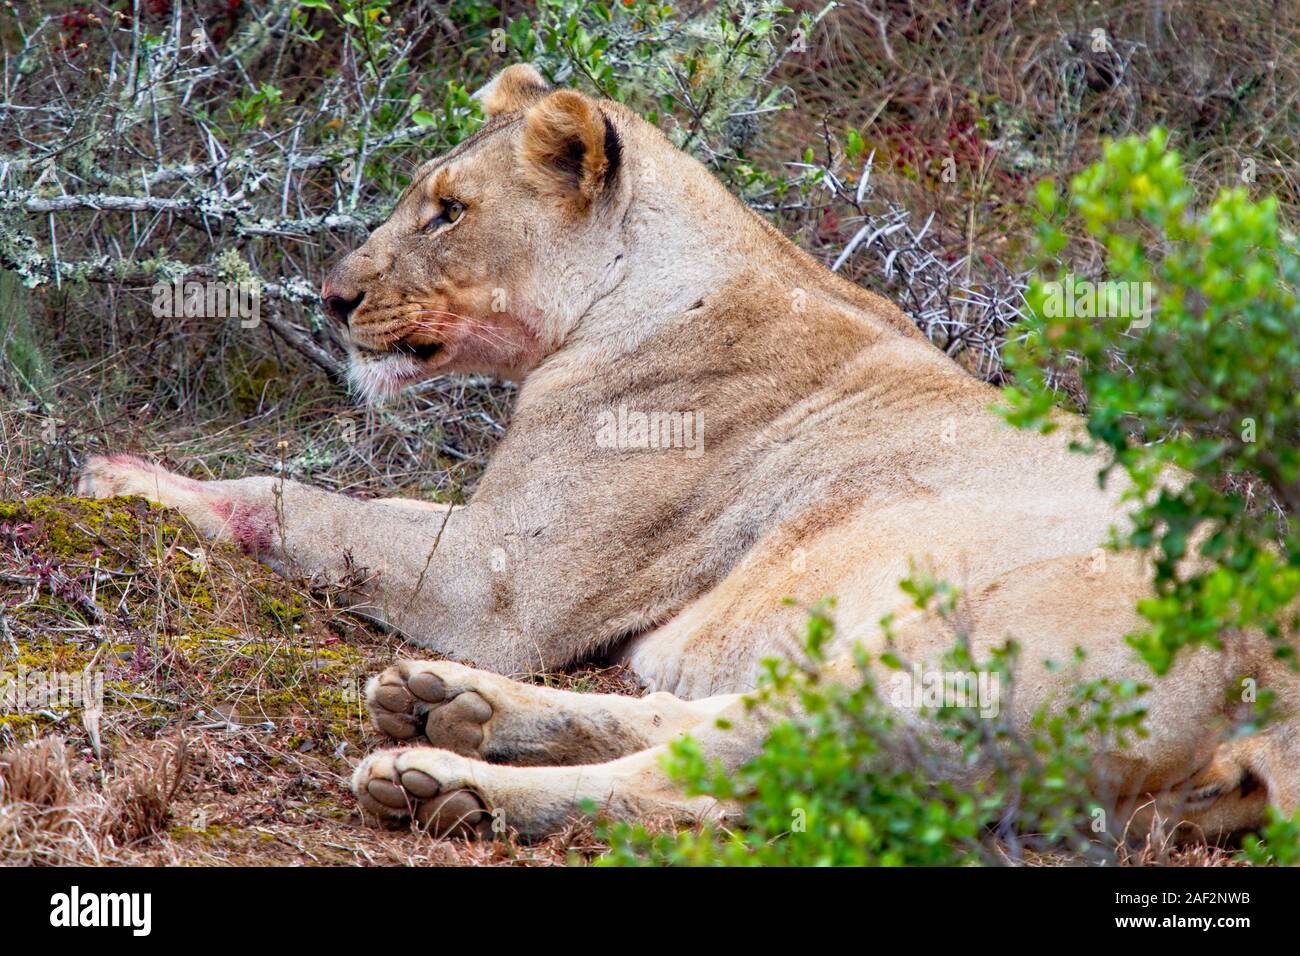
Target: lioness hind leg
x=480, y=714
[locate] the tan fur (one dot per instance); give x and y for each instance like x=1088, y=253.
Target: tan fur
x=605, y=270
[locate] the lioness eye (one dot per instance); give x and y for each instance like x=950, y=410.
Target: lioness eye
x=451, y=211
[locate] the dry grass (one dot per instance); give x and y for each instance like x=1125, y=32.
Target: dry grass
x=1013, y=91
x=56, y=810
x=239, y=799
x=967, y=106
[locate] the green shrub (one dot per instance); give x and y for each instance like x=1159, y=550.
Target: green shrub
x=1278, y=843
x=1206, y=380
x=843, y=779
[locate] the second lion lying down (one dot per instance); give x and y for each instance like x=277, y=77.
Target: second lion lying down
x=568, y=246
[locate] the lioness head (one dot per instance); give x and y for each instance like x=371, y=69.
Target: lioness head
x=497, y=248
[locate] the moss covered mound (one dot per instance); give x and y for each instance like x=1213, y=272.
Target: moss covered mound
x=178, y=629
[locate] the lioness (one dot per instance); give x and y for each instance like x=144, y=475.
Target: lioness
x=708, y=422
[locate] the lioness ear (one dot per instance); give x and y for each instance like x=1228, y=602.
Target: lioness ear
x=514, y=88
x=569, y=149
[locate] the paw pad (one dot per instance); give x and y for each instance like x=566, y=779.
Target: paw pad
x=405, y=705
x=418, y=796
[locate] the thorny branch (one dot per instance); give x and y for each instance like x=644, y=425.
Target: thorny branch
x=957, y=314
x=94, y=187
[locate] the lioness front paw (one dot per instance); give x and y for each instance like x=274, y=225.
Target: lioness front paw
x=428, y=699
x=427, y=786
x=107, y=476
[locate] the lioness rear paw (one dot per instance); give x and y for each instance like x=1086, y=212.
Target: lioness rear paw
x=412, y=699
x=426, y=786
x=1224, y=774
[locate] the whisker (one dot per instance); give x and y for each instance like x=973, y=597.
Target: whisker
x=483, y=331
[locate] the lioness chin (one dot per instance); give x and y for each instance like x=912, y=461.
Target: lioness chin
x=708, y=422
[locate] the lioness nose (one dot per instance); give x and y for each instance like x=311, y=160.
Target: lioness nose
x=337, y=305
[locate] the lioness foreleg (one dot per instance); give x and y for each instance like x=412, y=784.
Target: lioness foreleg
x=246, y=512
x=393, y=557
x=481, y=714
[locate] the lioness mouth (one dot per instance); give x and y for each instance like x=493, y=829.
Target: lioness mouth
x=420, y=350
